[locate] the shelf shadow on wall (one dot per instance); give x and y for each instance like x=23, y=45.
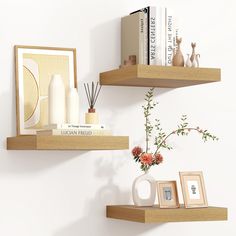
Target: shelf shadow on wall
x=94, y=221
x=18, y=162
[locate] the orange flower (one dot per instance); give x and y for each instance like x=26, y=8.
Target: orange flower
x=137, y=151
x=158, y=158
x=146, y=159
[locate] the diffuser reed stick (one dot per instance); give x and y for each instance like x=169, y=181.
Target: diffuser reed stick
x=92, y=93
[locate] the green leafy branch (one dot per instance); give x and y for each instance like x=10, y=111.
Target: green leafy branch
x=161, y=137
x=147, y=112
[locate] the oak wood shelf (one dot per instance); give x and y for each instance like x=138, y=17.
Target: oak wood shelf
x=159, y=76
x=157, y=215
x=34, y=142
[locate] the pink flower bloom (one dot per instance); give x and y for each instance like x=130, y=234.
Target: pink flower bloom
x=146, y=159
x=137, y=151
x=158, y=158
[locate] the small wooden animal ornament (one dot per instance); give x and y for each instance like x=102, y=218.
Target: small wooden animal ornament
x=188, y=63
x=178, y=59
x=193, y=45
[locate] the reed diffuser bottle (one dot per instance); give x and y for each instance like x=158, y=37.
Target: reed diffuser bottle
x=91, y=117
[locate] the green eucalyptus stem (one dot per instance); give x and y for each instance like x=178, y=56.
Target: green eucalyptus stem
x=146, y=133
x=147, y=112
x=179, y=131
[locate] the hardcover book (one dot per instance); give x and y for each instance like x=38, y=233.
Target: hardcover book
x=132, y=37
x=74, y=126
x=76, y=132
x=169, y=36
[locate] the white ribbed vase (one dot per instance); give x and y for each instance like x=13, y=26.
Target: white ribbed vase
x=138, y=201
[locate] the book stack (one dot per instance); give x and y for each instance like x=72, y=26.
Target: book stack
x=75, y=130
x=149, y=34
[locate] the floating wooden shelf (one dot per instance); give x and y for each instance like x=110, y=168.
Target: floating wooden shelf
x=157, y=215
x=34, y=142
x=159, y=76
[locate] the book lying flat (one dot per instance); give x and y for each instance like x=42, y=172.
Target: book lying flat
x=76, y=132
x=74, y=126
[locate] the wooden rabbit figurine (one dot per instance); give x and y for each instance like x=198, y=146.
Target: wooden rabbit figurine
x=193, y=56
x=178, y=59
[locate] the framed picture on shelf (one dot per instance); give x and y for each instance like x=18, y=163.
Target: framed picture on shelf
x=193, y=189
x=167, y=194
x=34, y=68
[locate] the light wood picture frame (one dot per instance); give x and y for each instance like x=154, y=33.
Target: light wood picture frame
x=193, y=188
x=34, y=66
x=168, y=194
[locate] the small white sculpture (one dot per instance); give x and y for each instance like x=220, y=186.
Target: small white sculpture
x=197, y=59
x=188, y=62
x=138, y=201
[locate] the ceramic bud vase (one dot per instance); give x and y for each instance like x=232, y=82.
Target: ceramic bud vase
x=56, y=100
x=72, y=106
x=91, y=117
x=138, y=201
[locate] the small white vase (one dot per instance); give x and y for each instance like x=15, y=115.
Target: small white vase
x=138, y=201
x=72, y=106
x=56, y=101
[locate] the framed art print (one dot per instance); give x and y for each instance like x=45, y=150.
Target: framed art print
x=34, y=69
x=193, y=189
x=167, y=194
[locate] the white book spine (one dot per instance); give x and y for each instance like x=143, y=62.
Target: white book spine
x=169, y=36
x=145, y=39
x=160, y=36
x=152, y=36
x=176, y=33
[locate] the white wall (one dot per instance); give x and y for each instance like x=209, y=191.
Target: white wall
x=64, y=193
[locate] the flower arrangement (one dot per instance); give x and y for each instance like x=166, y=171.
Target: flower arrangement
x=147, y=158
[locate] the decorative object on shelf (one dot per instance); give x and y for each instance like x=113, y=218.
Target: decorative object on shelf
x=193, y=189
x=167, y=194
x=178, y=59
x=193, y=55
x=72, y=106
x=188, y=62
x=129, y=62
x=34, y=68
x=149, y=201
x=195, y=62
x=148, y=158
x=92, y=95
x=197, y=59
x=56, y=100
